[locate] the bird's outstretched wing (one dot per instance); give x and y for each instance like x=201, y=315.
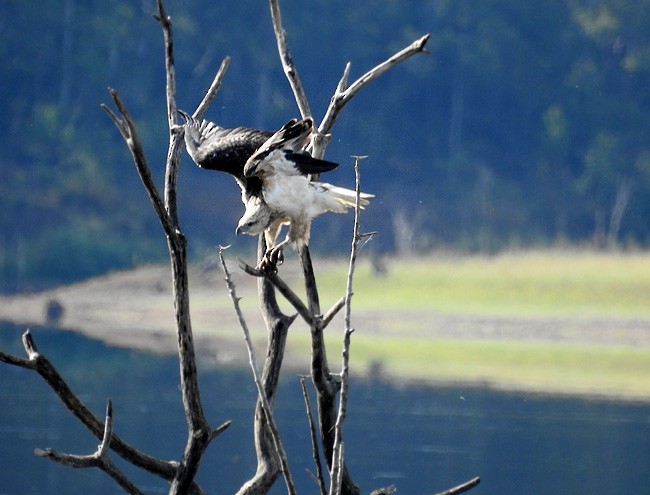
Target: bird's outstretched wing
x=216, y=148
x=284, y=153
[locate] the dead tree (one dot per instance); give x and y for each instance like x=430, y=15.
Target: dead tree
x=331, y=389
x=326, y=384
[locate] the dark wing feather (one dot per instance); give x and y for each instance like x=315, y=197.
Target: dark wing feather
x=228, y=149
x=294, y=134
x=251, y=187
x=306, y=164
x=292, y=137
x=215, y=148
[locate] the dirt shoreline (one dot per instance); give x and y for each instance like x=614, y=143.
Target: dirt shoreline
x=134, y=309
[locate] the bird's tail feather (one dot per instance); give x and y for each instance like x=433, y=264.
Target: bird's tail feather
x=345, y=198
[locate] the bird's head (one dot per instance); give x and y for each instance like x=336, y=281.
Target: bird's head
x=256, y=219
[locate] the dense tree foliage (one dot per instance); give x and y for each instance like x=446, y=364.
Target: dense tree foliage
x=528, y=124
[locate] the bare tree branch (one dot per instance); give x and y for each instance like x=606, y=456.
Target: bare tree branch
x=333, y=311
x=266, y=407
x=284, y=289
x=16, y=361
x=461, y=488
x=199, y=432
x=127, y=128
x=287, y=61
x=175, y=134
x=39, y=363
x=337, y=456
x=327, y=386
x=344, y=93
x=102, y=451
x=97, y=460
x=212, y=90
x=336, y=472
x=84, y=461
x=320, y=481
x=170, y=72
x=293, y=298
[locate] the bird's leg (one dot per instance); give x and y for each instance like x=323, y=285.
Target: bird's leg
x=274, y=253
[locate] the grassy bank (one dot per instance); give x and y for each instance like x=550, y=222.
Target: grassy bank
x=567, y=322
x=540, y=284
x=542, y=367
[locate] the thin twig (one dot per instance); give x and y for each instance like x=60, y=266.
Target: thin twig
x=277, y=325
x=175, y=137
x=16, y=361
x=461, y=488
x=85, y=461
x=266, y=407
x=212, y=90
x=320, y=480
x=337, y=456
x=108, y=431
x=333, y=311
x=287, y=61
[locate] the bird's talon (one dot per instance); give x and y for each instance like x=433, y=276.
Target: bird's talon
x=274, y=256
x=277, y=256
x=268, y=264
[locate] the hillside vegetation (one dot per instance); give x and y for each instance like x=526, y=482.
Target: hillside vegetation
x=527, y=125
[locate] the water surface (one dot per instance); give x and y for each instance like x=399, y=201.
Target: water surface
x=422, y=439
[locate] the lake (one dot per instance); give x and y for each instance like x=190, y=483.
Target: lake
x=422, y=439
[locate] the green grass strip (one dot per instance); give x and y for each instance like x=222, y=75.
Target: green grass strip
x=543, y=283
x=613, y=371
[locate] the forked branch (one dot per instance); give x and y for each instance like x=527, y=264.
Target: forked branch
x=344, y=93
x=39, y=363
x=127, y=128
x=313, y=320
x=99, y=459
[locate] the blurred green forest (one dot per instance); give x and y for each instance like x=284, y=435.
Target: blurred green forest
x=528, y=124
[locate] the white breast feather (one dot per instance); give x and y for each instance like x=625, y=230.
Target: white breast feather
x=288, y=194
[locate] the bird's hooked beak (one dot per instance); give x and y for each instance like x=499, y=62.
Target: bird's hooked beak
x=238, y=231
